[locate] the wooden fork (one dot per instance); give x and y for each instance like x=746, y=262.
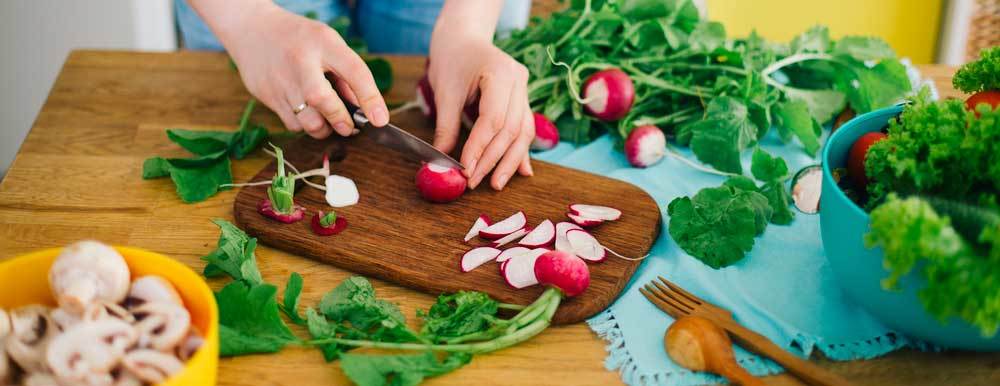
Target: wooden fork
x=678, y=303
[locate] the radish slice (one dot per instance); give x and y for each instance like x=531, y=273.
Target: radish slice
x=511, y=252
x=511, y=237
x=561, y=229
x=481, y=223
x=477, y=256
x=595, y=212
x=583, y=221
x=341, y=191
x=543, y=234
x=585, y=245
x=507, y=226
x=520, y=270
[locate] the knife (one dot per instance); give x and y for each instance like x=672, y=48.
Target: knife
x=402, y=141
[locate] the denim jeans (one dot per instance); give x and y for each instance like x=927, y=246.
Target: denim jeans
x=388, y=26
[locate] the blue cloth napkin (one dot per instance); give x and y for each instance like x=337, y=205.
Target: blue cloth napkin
x=783, y=289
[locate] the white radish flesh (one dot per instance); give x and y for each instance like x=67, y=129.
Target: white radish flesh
x=583, y=221
x=507, y=226
x=595, y=212
x=645, y=146
x=481, y=223
x=543, y=234
x=341, y=191
x=585, y=246
x=511, y=237
x=561, y=228
x=477, y=256
x=509, y=253
x=519, y=271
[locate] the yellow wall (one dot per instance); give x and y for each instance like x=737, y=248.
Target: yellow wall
x=910, y=26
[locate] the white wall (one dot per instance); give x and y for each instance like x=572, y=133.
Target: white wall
x=38, y=34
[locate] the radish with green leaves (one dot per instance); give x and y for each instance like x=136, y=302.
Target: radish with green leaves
x=280, y=203
x=546, y=133
x=608, y=94
x=564, y=271
x=327, y=224
x=440, y=184
x=645, y=146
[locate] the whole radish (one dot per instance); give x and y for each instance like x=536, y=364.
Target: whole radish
x=608, y=94
x=440, y=184
x=546, y=133
x=988, y=97
x=857, y=155
x=564, y=271
x=645, y=146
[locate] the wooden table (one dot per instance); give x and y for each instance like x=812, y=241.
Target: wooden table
x=78, y=176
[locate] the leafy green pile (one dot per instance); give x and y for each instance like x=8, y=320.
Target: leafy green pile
x=350, y=316
x=199, y=177
x=716, y=95
x=979, y=75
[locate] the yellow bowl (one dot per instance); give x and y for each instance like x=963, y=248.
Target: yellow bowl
x=24, y=280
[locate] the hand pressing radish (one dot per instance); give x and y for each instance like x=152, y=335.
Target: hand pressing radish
x=608, y=94
x=440, y=184
x=327, y=224
x=645, y=146
x=280, y=203
x=546, y=133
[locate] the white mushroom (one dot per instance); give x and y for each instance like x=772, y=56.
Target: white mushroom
x=89, y=350
x=123, y=377
x=94, y=311
x=161, y=326
x=31, y=331
x=152, y=366
x=190, y=344
x=64, y=319
x=87, y=272
x=152, y=288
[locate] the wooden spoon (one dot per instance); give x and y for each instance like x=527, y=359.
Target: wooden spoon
x=699, y=345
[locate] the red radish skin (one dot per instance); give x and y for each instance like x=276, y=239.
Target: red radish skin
x=440, y=184
x=988, y=97
x=425, y=98
x=585, y=246
x=477, y=256
x=508, y=253
x=543, y=234
x=317, y=227
x=608, y=94
x=503, y=228
x=520, y=270
x=561, y=228
x=511, y=237
x=585, y=222
x=546, y=133
x=605, y=213
x=265, y=208
x=481, y=223
x=645, y=146
x=857, y=155
x=562, y=270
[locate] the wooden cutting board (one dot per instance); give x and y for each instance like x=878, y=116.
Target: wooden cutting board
x=395, y=235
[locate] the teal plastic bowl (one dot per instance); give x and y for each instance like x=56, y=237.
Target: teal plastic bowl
x=859, y=270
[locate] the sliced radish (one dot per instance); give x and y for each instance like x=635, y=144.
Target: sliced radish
x=341, y=191
x=477, y=256
x=511, y=237
x=561, y=228
x=595, y=212
x=584, y=245
x=543, y=234
x=507, y=226
x=508, y=253
x=584, y=221
x=520, y=270
x=481, y=223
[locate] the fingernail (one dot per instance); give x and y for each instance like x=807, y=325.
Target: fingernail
x=356, y=132
x=502, y=181
x=342, y=128
x=380, y=117
x=531, y=170
x=470, y=168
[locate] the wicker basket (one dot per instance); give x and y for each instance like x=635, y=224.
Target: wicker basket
x=984, y=28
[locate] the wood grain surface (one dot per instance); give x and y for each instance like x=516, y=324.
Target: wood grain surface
x=77, y=176
x=395, y=235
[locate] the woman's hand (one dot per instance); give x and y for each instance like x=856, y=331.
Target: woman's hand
x=465, y=65
x=282, y=58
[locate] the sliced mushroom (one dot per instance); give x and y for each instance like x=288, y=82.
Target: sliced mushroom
x=64, y=319
x=89, y=349
x=152, y=366
x=106, y=310
x=152, y=288
x=161, y=326
x=123, y=377
x=190, y=345
x=31, y=331
x=87, y=272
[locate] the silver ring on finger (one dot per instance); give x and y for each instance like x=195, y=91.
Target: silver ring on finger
x=301, y=107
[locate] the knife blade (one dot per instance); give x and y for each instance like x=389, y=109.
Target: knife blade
x=402, y=141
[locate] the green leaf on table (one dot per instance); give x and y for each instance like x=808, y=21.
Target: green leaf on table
x=717, y=225
x=780, y=201
x=399, y=370
x=720, y=140
x=247, y=140
x=873, y=88
x=741, y=183
x=822, y=104
x=863, y=48
x=815, y=40
x=320, y=328
x=249, y=320
x=201, y=142
x=155, y=167
x=766, y=167
x=195, y=179
x=234, y=254
x=793, y=118
x=381, y=71
x=354, y=301
x=457, y=314
x=290, y=303
x=707, y=36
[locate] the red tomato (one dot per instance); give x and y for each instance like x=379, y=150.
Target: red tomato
x=856, y=157
x=990, y=97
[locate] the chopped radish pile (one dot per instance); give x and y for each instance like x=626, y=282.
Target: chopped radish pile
x=507, y=226
x=543, y=234
x=341, y=191
x=511, y=252
x=511, y=237
x=584, y=245
x=583, y=221
x=477, y=256
x=481, y=223
x=546, y=133
x=563, y=271
x=439, y=183
x=645, y=146
x=595, y=212
x=561, y=243
x=608, y=94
